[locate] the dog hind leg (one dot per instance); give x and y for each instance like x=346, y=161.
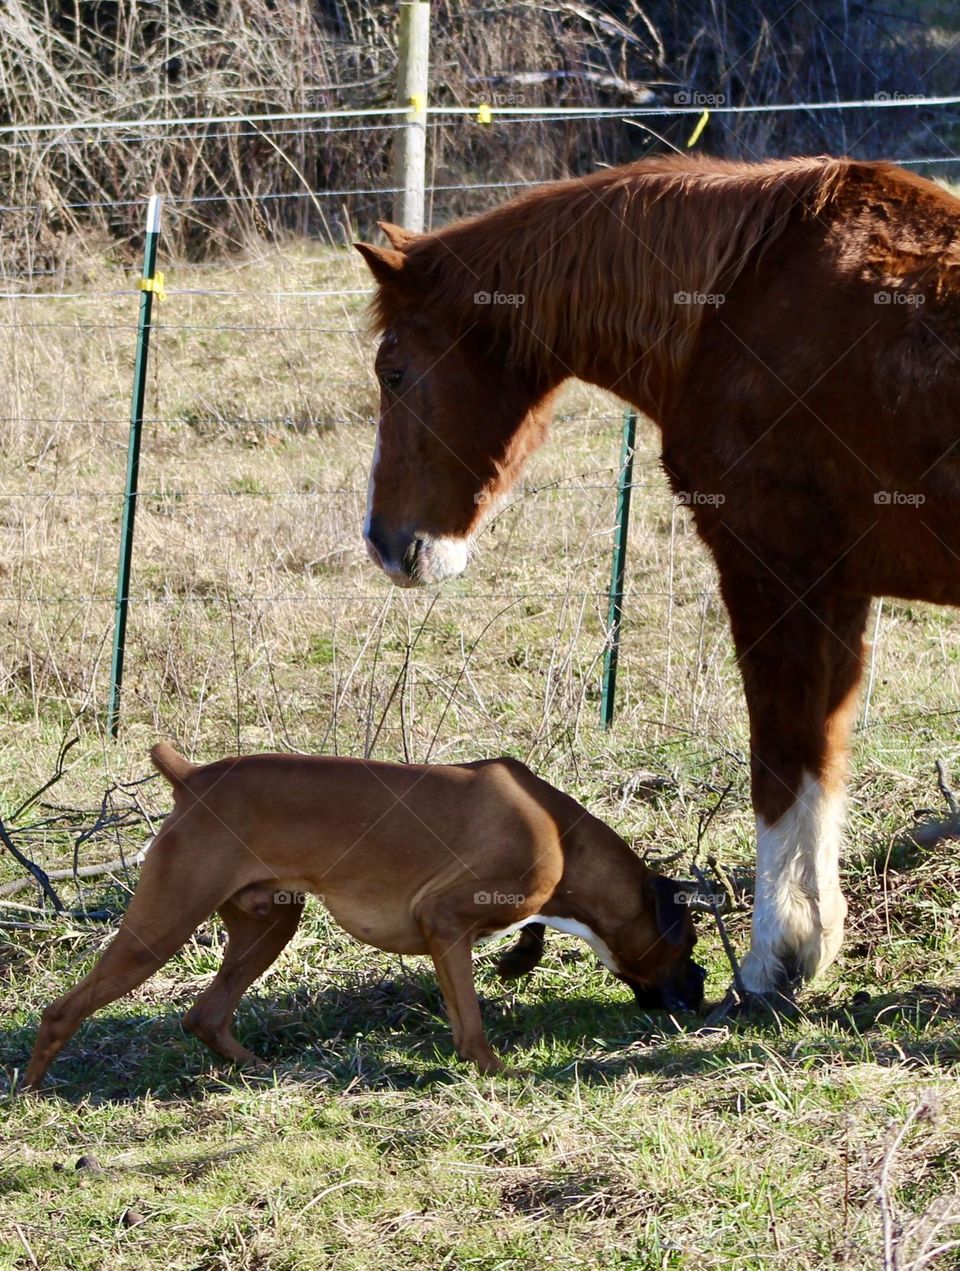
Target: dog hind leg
x=172, y=899
x=254, y=943
x=154, y=927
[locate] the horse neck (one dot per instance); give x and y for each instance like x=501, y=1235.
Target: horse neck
x=599, y=269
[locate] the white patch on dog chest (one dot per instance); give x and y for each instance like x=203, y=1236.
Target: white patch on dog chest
x=569, y=927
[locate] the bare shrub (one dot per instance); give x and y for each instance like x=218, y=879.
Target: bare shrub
x=72, y=61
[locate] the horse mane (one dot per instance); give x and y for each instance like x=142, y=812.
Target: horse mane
x=599, y=260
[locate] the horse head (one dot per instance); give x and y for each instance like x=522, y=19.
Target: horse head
x=458, y=415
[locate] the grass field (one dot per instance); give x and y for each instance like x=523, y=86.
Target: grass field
x=633, y=1141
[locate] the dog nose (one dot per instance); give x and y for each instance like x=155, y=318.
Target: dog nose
x=683, y=992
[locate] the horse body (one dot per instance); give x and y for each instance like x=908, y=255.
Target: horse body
x=794, y=330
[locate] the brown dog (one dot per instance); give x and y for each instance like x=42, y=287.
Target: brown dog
x=409, y=858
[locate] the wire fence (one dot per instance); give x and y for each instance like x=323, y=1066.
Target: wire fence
x=358, y=202
x=255, y=618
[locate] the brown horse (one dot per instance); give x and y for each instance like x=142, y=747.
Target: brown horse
x=793, y=328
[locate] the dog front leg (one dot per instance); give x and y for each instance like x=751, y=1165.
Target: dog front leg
x=450, y=948
x=523, y=956
x=454, y=966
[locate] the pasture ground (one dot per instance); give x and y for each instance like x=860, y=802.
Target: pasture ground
x=634, y=1142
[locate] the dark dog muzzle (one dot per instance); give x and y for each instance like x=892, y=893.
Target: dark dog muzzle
x=683, y=992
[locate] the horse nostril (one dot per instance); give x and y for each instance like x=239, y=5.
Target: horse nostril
x=395, y=551
x=409, y=562
x=377, y=539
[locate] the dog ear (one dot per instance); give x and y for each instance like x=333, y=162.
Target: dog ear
x=672, y=913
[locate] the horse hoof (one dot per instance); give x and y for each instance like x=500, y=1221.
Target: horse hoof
x=752, y=1006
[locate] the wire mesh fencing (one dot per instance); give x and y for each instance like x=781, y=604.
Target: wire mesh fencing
x=256, y=620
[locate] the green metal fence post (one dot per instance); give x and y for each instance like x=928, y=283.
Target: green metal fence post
x=618, y=569
x=151, y=285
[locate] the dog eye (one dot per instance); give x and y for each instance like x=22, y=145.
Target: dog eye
x=391, y=379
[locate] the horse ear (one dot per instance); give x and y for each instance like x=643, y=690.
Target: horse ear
x=397, y=236
x=385, y=264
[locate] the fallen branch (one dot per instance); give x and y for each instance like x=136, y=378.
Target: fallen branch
x=109, y=818
x=893, y=1229
x=99, y=915
x=38, y=874
x=726, y=882
x=61, y=759
x=930, y=833
x=83, y=871
x=725, y=940
x=635, y=92
x=945, y=790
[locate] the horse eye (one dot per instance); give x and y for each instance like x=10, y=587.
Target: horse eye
x=391, y=379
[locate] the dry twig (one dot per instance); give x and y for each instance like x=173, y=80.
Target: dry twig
x=702, y=827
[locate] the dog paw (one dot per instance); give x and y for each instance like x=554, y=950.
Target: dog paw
x=519, y=1074
x=523, y=956
x=517, y=962
x=485, y=1061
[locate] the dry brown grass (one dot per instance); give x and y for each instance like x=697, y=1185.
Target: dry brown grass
x=259, y=623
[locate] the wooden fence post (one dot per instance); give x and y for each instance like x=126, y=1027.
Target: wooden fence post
x=411, y=144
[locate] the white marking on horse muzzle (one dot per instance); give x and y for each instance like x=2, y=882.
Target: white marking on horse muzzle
x=426, y=562
x=439, y=559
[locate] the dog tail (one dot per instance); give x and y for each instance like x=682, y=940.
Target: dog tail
x=169, y=764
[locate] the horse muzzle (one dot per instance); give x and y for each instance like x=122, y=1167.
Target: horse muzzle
x=412, y=559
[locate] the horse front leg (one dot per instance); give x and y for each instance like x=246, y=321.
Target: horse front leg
x=801, y=661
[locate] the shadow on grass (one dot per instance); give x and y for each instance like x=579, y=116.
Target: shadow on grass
x=390, y=1033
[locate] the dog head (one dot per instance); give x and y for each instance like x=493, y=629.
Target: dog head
x=653, y=951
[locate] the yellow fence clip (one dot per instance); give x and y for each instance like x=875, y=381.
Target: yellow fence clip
x=418, y=103
x=154, y=284
x=701, y=124
x=484, y=114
